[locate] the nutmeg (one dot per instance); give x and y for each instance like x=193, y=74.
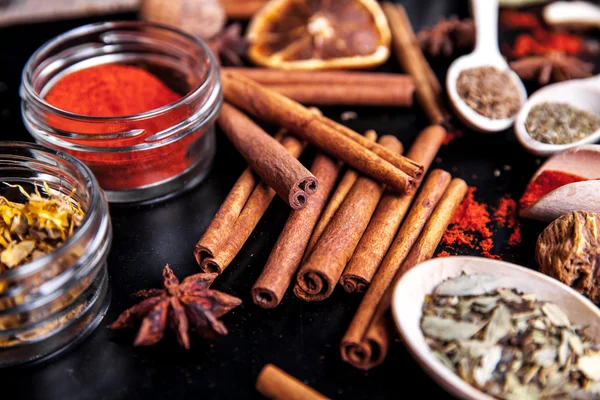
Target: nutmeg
x=569, y=250
x=202, y=18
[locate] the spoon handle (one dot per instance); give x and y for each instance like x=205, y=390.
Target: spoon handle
x=485, y=15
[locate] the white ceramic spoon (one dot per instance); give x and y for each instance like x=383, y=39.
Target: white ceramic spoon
x=486, y=53
x=410, y=291
x=583, y=14
x=583, y=94
x=579, y=196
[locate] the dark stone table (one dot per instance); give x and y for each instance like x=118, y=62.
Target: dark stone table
x=301, y=338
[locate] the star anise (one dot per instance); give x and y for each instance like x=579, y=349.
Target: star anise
x=185, y=305
x=553, y=67
x=446, y=36
x=229, y=46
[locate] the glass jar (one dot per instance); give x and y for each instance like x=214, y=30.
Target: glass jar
x=151, y=155
x=55, y=300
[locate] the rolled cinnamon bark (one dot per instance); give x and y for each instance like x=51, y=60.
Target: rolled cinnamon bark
x=271, y=162
x=268, y=76
x=220, y=227
x=381, y=331
x=387, y=217
x=347, y=95
x=411, y=58
x=367, y=340
x=252, y=212
x=242, y=9
x=287, y=254
x=321, y=271
x=341, y=191
x=272, y=107
x=275, y=384
x=432, y=191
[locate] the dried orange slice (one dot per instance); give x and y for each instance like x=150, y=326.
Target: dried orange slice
x=319, y=34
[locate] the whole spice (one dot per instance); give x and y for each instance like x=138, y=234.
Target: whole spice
x=186, y=305
x=544, y=183
x=388, y=216
x=569, y=250
x=229, y=46
x=345, y=144
x=275, y=384
x=446, y=36
x=370, y=333
x=37, y=227
x=508, y=344
x=413, y=61
x=204, y=18
x=321, y=271
x=268, y=159
x=489, y=91
x=560, y=123
x=231, y=238
x=287, y=253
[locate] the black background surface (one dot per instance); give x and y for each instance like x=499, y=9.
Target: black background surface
x=301, y=338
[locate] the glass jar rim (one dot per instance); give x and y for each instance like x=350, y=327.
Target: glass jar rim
x=26, y=77
x=94, y=190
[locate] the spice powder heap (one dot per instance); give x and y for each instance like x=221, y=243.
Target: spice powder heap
x=546, y=182
x=111, y=90
x=489, y=91
x=508, y=344
x=559, y=123
x=35, y=228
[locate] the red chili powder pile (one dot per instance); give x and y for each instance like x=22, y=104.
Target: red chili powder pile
x=471, y=225
x=111, y=90
x=546, y=182
x=545, y=43
x=517, y=19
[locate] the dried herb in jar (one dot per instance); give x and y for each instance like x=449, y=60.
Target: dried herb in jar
x=508, y=344
x=489, y=91
x=35, y=228
x=560, y=123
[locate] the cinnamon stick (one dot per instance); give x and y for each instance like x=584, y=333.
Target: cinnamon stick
x=268, y=77
x=272, y=107
x=271, y=162
x=228, y=213
x=275, y=384
x=411, y=58
x=242, y=9
x=347, y=95
x=381, y=331
x=431, y=193
x=341, y=191
x=253, y=210
x=387, y=217
x=366, y=342
x=219, y=228
x=336, y=87
x=321, y=271
x=285, y=257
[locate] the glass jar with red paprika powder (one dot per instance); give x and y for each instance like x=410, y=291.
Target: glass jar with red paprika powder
x=134, y=101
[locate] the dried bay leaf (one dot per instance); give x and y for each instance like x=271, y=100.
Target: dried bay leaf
x=467, y=285
x=449, y=329
x=555, y=315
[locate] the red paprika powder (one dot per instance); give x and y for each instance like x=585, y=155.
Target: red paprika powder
x=110, y=90
x=474, y=227
x=546, y=182
x=116, y=90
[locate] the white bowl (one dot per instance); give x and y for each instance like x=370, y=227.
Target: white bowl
x=411, y=289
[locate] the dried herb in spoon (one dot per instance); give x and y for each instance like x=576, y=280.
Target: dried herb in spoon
x=186, y=305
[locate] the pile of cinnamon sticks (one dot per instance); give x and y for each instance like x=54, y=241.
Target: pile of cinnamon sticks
x=355, y=228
